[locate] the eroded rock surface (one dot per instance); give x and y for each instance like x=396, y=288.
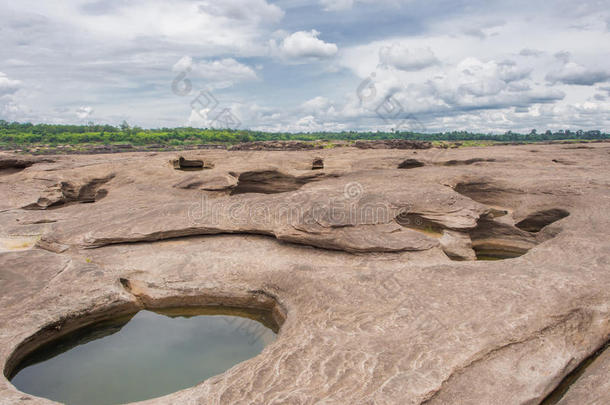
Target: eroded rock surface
x=371, y=270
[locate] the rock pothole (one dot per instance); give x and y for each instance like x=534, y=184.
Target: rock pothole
x=410, y=164
x=191, y=164
x=317, y=164
x=270, y=182
x=67, y=192
x=128, y=351
x=485, y=192
x=493, y=240
x=419, y=223
x=490, y=239
x=502, y=239
x=539, y=219
x=11, y=165
x=136, y=357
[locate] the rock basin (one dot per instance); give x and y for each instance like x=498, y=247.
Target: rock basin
x=143, y=355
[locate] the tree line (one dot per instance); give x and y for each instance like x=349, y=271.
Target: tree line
x=28, y=133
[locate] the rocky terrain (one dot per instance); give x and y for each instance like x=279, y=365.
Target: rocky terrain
x=399, y=274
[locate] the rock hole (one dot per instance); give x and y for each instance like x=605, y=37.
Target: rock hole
x=190, y=164
x=68, y=192
x=125, y=283
x=492, y=240
x=410, y=164
x=12, y=165
x=538, y=220
x=268, y=182
x=317, y=164
x=419, y=223
x=484, y=192
x=141, y=355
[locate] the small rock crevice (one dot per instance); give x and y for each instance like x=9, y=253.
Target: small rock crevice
x=563, y=162
x=466, y=162
x=562, y=388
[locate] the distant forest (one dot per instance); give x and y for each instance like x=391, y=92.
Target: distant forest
x=14, y=133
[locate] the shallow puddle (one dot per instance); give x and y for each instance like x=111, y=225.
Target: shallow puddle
x=143, y=356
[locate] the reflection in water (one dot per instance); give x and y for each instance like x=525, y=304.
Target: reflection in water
x=143, y=356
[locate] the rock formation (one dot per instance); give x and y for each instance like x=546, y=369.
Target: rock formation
x=484, y=281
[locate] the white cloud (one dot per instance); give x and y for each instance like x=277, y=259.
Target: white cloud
x=223, y=72
x=240, y=10
x=216, y=27
x=334, y=5
x=483, y=69
x=9, y=109
x=402, y=57
x=530, y=52
x=306, y=45
x=575, y=74
x=563, y=56
x=7, y=85
x=339, y=5
x=316, y=104
x=84, y=112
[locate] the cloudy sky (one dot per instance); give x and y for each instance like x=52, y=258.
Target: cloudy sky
x=296, y=65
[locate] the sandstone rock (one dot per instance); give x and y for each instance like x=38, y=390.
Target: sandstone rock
x=356, y=261
x=592, y=386
x=457, y=245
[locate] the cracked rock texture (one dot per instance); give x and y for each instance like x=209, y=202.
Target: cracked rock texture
x=370, y=269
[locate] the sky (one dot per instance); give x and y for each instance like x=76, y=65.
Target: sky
x=301, y=66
